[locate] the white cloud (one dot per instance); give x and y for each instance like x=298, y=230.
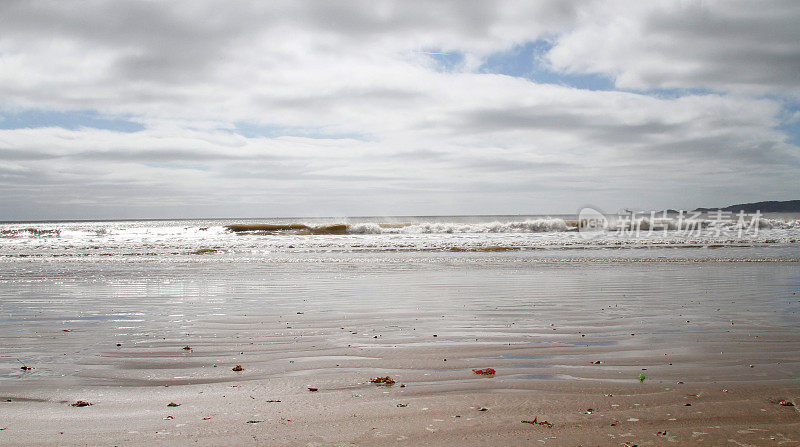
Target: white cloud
x=749, y=46
x=368, y=122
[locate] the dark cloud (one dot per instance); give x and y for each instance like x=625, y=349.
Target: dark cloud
x=746, y=154
x=597, y=128
x=23, y=155
x=510, y=165
x=161, y=156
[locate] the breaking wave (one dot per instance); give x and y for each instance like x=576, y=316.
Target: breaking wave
x=527, y=226
x=288, y=229
x=29, y=232
x=543, y=225
x=220, y=239
x=203, y=229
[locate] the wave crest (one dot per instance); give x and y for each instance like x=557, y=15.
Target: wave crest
x=527, y=226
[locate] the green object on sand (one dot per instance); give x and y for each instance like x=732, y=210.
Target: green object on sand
x=641, y=377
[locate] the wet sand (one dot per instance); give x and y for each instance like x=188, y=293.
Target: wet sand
x=440, y=406
x=717, y=344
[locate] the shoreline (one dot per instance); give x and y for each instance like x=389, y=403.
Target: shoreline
x=563, y=339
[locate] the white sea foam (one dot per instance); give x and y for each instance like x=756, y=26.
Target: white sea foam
x=254, y=238
x=526, y=226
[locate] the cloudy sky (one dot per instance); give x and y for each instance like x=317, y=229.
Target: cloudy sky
x=116, y=109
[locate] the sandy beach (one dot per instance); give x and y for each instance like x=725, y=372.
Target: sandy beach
x=568, y=342
x=399, y=223
x=347, y=410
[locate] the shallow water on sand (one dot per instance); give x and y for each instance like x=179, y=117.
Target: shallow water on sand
x=125, y=322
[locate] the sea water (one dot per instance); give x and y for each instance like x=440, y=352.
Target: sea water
x=88, y=303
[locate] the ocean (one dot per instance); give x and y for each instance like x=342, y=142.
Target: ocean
x=771, y=236
x=635, y=319
x=257, y=290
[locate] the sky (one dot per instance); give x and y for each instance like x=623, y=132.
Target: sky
x=180, y=109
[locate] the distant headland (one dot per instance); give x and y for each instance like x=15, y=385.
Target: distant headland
x=771, y=206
